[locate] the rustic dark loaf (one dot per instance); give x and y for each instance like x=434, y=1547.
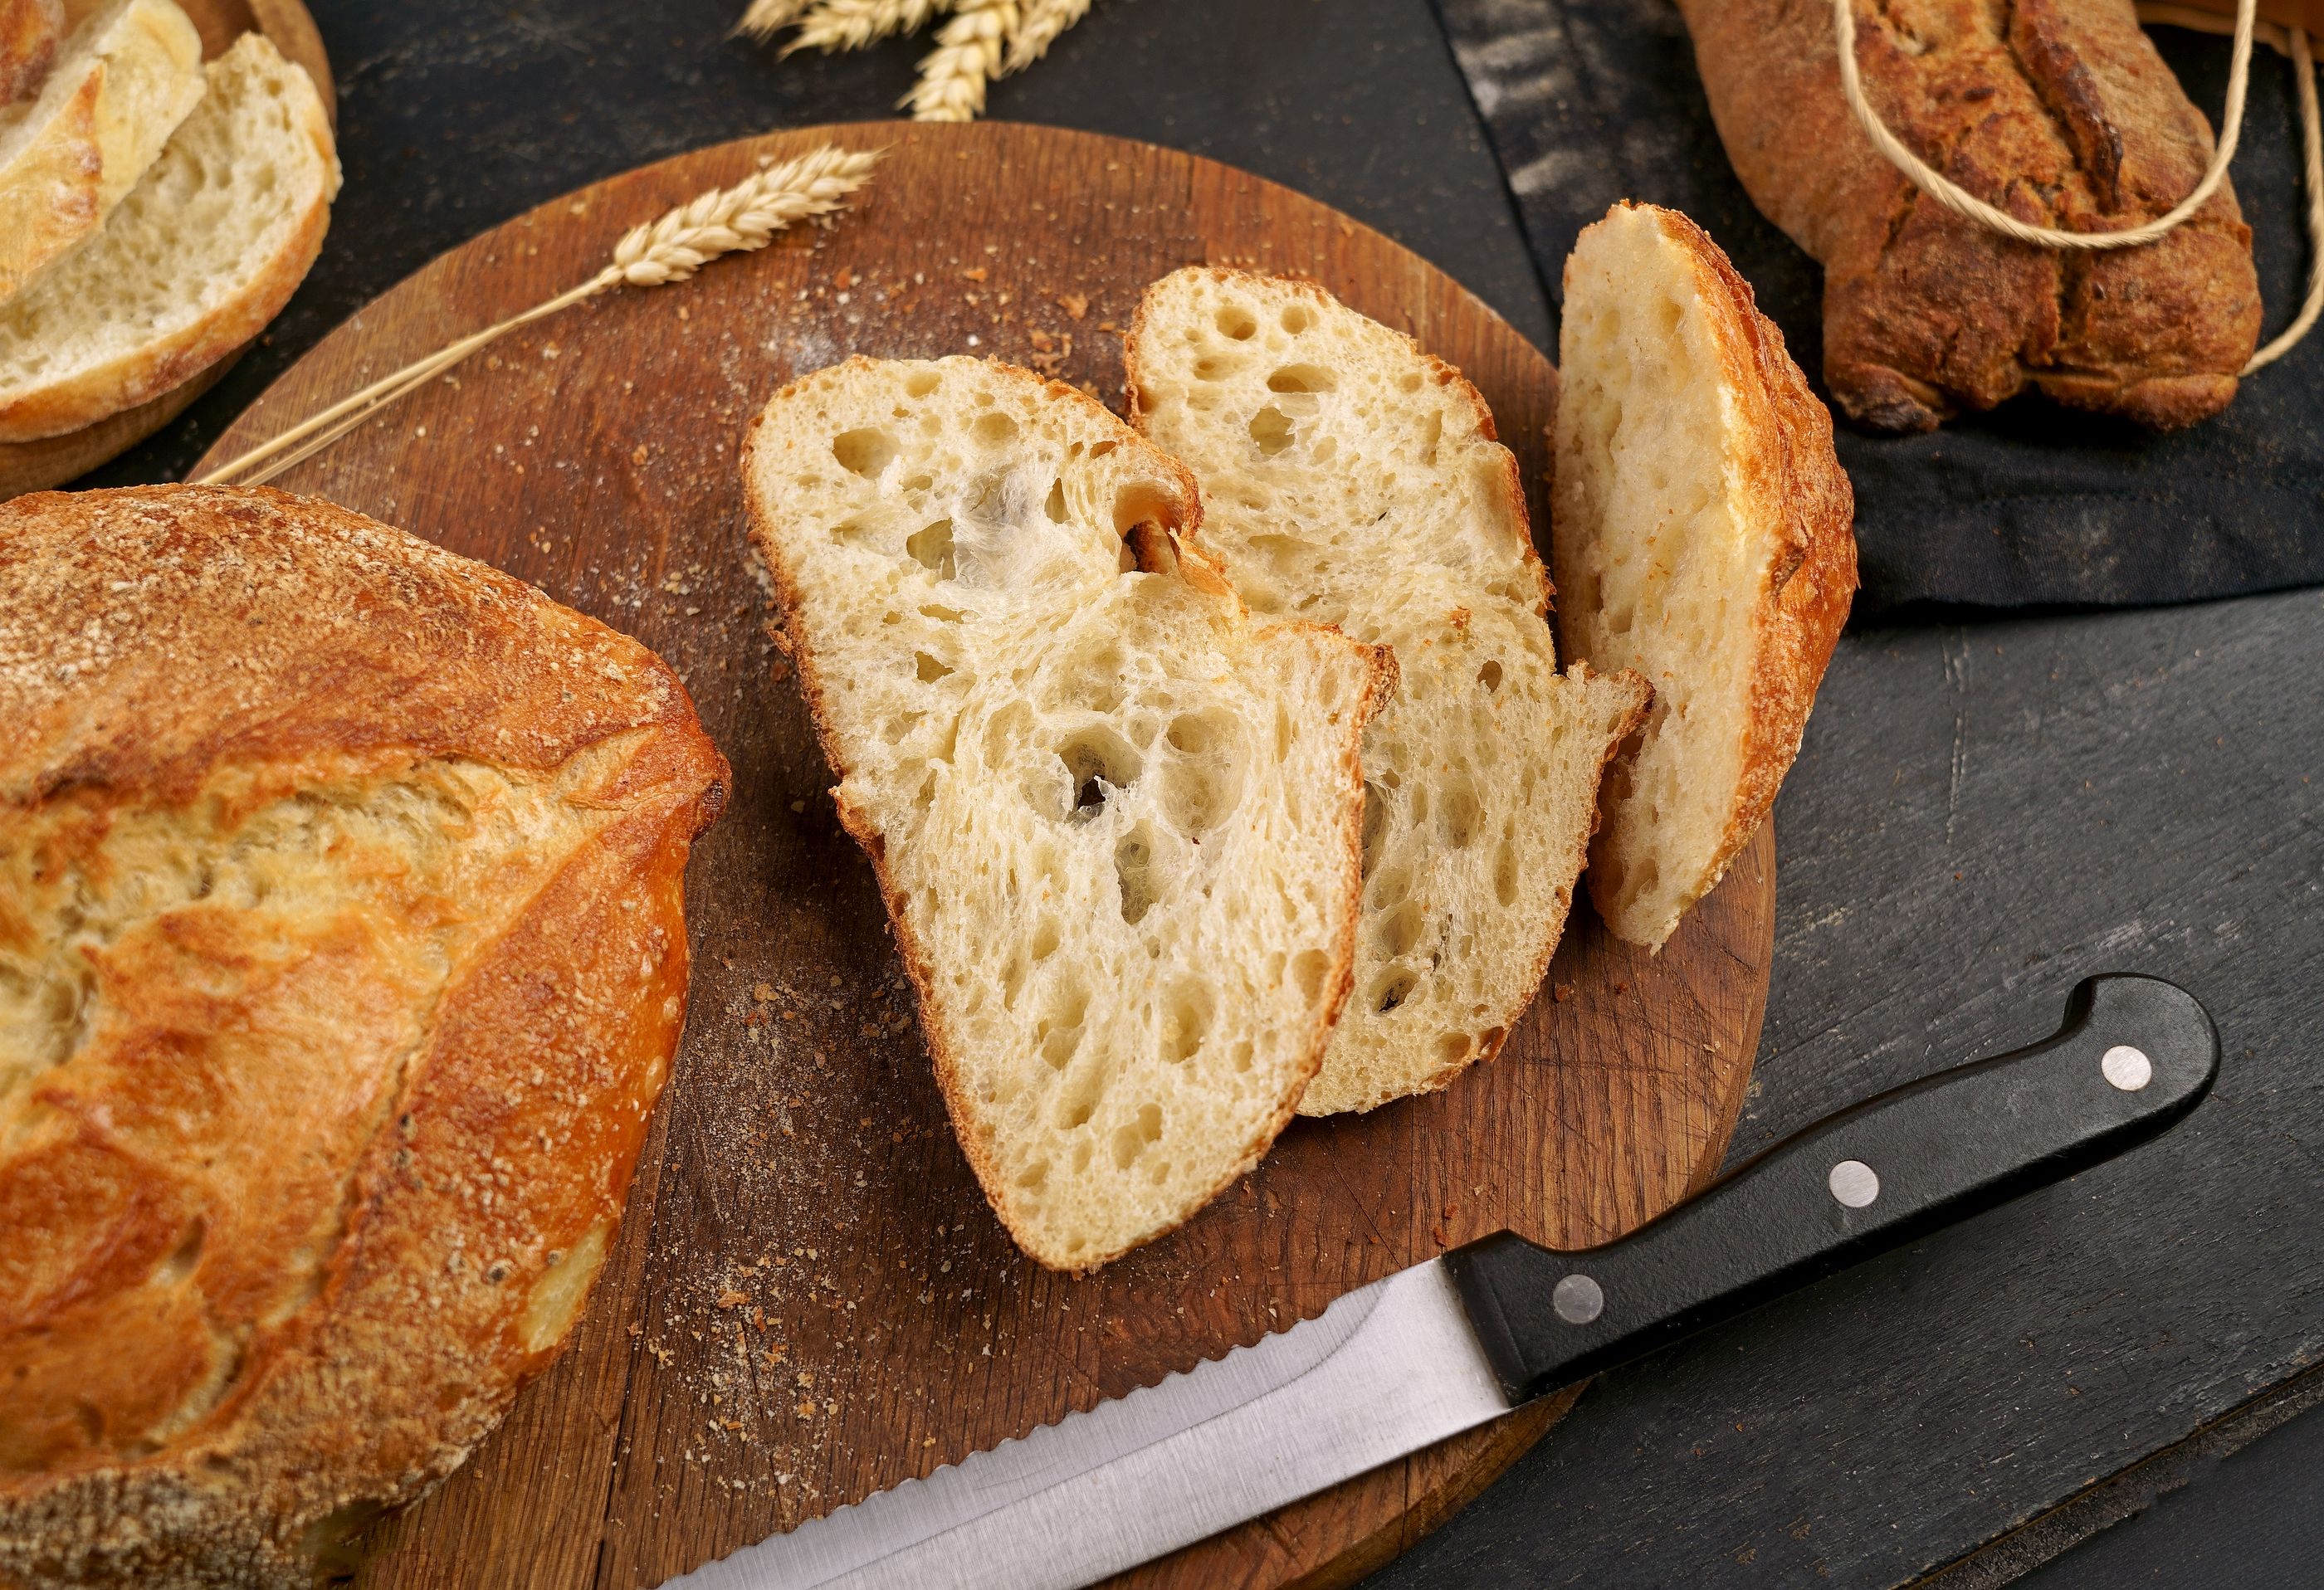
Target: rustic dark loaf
x=342, y=957
x=2057, y=111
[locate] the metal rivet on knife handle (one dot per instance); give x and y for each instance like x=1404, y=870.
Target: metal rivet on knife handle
x=2127, y=1068
x=1577, y=1299
x=1854, y=1183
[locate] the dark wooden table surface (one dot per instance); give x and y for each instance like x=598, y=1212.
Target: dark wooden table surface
x=1981, y=815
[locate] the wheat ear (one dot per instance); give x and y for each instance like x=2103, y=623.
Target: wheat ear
x=1037, y=28
x=766, y=18
x=852, y=24
x=951, y=86
x=722, y=221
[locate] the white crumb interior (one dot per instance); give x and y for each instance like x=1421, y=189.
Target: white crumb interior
x=1116, y=816
x=1656, y=570
x=1347, y=479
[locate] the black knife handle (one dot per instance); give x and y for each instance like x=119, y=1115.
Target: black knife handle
x=2136, y=1054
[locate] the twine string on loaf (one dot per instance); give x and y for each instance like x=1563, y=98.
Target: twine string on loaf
x=2292, y=41
x=1960, y=200
x=671, y=248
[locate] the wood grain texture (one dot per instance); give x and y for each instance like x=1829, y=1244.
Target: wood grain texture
x=810, y=1300
x=35, y=466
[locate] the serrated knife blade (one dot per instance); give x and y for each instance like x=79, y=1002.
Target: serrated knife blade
x=1453, y=1342
x=1386, y=1370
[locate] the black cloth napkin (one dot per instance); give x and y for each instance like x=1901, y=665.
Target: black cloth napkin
x=1591, y=101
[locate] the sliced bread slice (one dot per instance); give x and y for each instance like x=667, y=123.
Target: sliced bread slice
x=196, y=261
x=1701, y=534
x=30, y=31
x=122, y=84
x=1116, y=824
x=1352, y=479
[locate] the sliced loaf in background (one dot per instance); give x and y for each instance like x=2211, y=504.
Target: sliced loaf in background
x=202, y=255
x=125, y=80
x=1353, y=480
x=1702, y=535
x=29, y=33
x=1116, y=822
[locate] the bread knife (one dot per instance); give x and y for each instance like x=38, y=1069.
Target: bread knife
x=1457, y=1341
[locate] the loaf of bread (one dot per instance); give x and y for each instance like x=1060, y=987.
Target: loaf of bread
x=130, y=73
x=1116, y=822
x=342, y=959
x=193, y=265
x=2058, y=112
x=1351, y=479
x=1701, y=534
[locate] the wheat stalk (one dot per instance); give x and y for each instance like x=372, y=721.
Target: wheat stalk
x=967, y=55
x=852, y=24
x=722, y=221
x=1037, y=28
x=985, y=39
x=747, y=216
x=766, y=18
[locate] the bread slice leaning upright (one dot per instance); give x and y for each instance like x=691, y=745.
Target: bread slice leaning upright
x=1701, y=534
x=119, y=87
x=1351, y=479
x=193, y=265
x=1116, y=824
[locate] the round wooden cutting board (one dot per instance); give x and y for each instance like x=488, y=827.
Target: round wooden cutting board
x=810, y=1300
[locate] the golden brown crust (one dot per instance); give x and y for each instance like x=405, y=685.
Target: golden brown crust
x=29, y=32
x=1445, y=376
x=1791, y=478
x=2058, y=111
x=1194, y=564
x=298, y=1242
x=1796, y=479
x=48, y=199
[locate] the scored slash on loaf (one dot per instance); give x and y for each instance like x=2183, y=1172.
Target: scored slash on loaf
x=1351, y=479
x=1116, y=822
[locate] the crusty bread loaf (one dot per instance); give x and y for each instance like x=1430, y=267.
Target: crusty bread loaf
x=29, y=32
x=1116, y=824
x=1702, y=535
x=125, y=80
x=1351, y=479
x=2058, y=112
x=345, y=955
x=201, y=257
